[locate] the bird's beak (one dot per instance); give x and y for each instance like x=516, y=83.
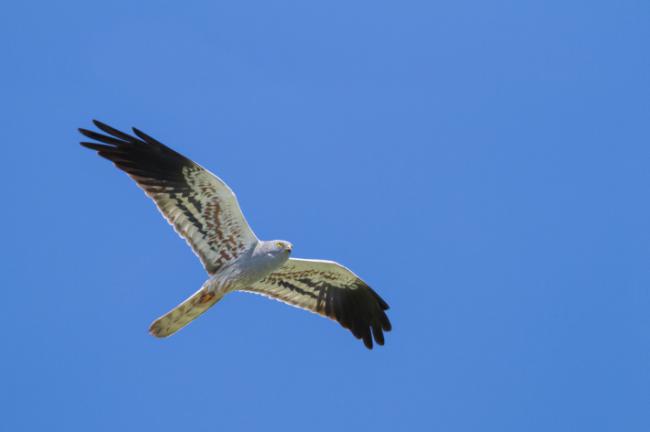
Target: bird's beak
x=289, y=248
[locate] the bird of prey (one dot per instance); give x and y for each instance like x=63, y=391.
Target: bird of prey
x=204, y=211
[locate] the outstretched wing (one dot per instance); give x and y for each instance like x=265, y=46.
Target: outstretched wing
x=331, y=290
x=200, y=206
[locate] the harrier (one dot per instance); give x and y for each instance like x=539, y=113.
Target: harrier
x=204, y=211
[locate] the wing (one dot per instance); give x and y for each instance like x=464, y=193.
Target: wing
x=200, y=206
x=331, y=290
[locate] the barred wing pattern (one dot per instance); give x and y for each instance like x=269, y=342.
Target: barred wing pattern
x=331, y=290
x=200, y=206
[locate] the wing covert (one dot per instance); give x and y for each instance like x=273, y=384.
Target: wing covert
x=331, y=290
x=199, y=205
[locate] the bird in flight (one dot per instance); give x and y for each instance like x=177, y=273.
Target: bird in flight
x=204, y=211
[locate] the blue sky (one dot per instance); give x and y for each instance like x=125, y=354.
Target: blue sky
x=483, y=165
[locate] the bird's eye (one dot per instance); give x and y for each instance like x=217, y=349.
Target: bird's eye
x=279, y=245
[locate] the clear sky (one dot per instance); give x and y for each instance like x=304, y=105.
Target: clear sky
x=482, y=164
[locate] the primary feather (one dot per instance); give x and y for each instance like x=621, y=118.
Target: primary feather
x=200, y=206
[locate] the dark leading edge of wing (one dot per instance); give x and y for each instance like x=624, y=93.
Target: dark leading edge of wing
x=147, y=160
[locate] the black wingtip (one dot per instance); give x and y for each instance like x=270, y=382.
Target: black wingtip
x=377, y=333
x=84, y=132
x=116, y=133
x=95, y=146
x=143, y=136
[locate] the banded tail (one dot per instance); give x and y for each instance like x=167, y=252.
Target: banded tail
x=184, y=313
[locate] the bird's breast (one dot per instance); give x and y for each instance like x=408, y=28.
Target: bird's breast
x=245, y=272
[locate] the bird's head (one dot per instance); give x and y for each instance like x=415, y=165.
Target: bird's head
x=281, y=246
x=275, y=252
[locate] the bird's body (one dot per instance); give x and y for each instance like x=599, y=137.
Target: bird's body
x=205, y=212
x=256, y=263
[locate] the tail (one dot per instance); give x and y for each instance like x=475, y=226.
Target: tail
x=184, y=313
